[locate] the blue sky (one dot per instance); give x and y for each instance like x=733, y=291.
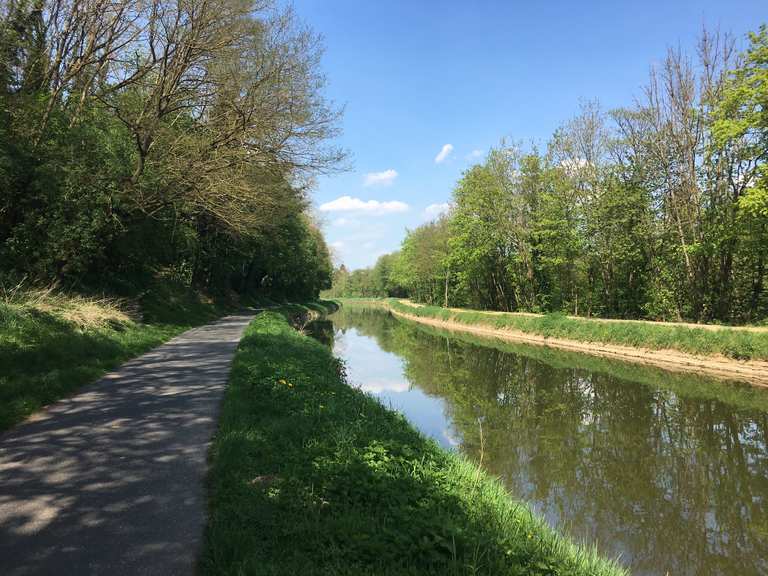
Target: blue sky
x=417, y=78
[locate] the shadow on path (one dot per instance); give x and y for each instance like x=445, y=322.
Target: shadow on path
x=111, y=480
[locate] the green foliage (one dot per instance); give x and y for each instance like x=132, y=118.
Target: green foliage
x=741, y=122
x=424, y=268
x=51, y=346
x=312, y=476
x=117, y=168
x=641, y=213
x=384, y=279
x=481, y=242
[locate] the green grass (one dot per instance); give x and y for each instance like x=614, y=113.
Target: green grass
x=739, y=395
x=730, y=342
x=312, y=476
x=52, y=344
x=300, y=314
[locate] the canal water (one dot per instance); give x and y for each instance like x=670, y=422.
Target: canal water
x=668, y=472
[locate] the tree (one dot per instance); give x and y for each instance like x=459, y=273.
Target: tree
x=161, y=137
x=658, y=210
x=481, y=243
x=741, y=124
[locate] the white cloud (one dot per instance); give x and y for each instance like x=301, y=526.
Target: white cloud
x=384, y=385
x=474, y=155
x=445, y=151
x=384, y=178
x=349, y=204
x=338, y=245
x=448, y=435
x=346, y=223
x=435, y=210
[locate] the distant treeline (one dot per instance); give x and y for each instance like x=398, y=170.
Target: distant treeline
x=161, y=138
x=655, y=211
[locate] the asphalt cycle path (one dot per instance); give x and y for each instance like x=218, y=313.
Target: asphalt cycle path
x=111, y=480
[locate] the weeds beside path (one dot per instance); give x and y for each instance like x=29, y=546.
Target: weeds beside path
x=312, y=476
x=52, y=344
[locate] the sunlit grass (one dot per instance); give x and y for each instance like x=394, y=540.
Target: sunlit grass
x=83, y=311
x=312, y=476
x=52, y=343
x=739, y=395
x=731, y=342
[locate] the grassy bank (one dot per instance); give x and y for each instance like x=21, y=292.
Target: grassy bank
x=741, y=396
x=51, y=343
x=739, y=344
x=312, y=476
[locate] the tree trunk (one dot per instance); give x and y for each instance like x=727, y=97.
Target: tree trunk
x=447, y=275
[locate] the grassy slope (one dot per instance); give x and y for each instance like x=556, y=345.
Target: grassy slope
x=312, y=476
x=739, y=395
x=54, y=345
x=730, y=342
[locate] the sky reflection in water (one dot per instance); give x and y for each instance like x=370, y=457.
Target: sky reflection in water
x=668, y=471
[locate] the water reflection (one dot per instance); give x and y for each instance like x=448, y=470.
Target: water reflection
x=321, y=330
x=648, y=464
x=381, y=373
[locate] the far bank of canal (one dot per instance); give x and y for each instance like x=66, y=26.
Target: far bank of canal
x=667, y=471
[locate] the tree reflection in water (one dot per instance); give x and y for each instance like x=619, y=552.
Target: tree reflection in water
x=668, y=471
x=321, y=330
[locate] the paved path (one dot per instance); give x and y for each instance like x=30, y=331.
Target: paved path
x=111, y=481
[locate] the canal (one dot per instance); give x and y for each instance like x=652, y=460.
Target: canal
x=667, y=471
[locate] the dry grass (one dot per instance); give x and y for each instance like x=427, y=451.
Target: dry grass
x=53, y=342
x=86, y=312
